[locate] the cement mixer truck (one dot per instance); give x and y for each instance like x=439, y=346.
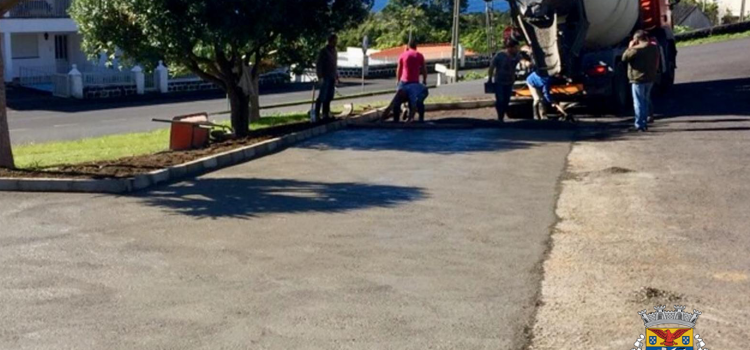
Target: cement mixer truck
x=582, y=41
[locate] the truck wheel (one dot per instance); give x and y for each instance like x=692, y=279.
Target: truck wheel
x=667, y=81
x=621, y=100
x=667, y=78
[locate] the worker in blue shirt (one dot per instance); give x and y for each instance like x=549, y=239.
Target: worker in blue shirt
x=540, y=86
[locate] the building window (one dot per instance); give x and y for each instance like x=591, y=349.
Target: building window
x=61, y=47
x=24, y=45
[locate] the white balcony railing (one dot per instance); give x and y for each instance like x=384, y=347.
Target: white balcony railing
x=41, y=9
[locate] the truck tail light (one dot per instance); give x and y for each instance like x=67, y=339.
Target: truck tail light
x=598, y=71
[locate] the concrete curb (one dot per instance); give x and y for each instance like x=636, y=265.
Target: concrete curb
x=172, y=174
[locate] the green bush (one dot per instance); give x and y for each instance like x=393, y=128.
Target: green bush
x=475, y=75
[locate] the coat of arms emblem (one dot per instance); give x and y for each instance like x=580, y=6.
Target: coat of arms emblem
x=670, y=330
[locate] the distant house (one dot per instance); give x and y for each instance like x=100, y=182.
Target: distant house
x=40, y=36
x=733, y=6
x=690, y=16
x=431, y=52
x=353, y=56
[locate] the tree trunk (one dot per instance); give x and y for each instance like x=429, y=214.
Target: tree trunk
x=6, y=153
x=240, y=113
x=255, y=99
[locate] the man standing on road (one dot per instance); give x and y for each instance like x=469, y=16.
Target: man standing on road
x=503, y=74
x=328, y=74
x=410, y=65
x=642, y=58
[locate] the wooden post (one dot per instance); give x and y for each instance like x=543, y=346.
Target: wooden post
x=6, y=152
x=456, y=36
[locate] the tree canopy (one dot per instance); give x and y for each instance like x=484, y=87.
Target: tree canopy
x=428, y=21
x=221, y=41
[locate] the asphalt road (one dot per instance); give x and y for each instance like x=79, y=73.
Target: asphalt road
x=42, y=119
x=658, y=218
x=409, y=239
x=361, y=239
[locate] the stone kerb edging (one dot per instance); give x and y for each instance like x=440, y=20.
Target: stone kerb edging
x=174, y=173
x=207, y=164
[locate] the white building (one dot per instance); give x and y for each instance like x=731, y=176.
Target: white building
x=39, y=36
x=735, y=6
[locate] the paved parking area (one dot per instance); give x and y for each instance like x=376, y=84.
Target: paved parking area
x=361, y=239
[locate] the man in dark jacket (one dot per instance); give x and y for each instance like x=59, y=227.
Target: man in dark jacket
x=328, y=74
x=502, y=74
x=642, y=58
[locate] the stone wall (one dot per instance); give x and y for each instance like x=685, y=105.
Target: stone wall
x=191, y=85
x=108, y=91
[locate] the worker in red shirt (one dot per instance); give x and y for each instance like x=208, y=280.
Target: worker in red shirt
x=411, y=65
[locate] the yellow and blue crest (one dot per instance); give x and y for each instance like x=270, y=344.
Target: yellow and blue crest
x=661, y=333
x=670, y=338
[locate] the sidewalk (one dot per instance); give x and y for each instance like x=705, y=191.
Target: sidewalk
x=651, y=219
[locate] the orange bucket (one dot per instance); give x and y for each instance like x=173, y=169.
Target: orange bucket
x=188, y=133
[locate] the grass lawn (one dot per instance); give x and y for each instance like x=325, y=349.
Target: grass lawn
x=48, y=155
x=45, y=155
x=713, y=39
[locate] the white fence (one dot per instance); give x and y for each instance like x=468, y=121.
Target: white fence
x=149, y=82
x=32, y=77
x=95, y=81
x=104, y=78
x=183, y=78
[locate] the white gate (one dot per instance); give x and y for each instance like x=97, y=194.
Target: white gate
x=61, y=85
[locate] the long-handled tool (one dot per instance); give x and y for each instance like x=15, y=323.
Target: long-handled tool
x=312, y=114
x=348, y=108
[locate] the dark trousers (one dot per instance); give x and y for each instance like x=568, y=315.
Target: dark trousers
x=503, y=93
x=400, y=98
x=325, y=96
x=416, y=94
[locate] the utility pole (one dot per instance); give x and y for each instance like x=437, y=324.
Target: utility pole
x=490, y=27
x=742, y=11
x=456, y=39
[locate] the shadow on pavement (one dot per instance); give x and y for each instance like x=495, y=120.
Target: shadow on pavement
x=736, y=128
x=711, y=121
x=249, y=198
x=708, y=98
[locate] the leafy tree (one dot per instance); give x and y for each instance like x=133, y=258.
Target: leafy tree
x=426, y=20
x=224, y=42
x=441, y=13
x=6, y=152
x=474, y=30
x=408, y=20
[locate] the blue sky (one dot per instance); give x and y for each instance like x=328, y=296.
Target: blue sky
x=474, y=5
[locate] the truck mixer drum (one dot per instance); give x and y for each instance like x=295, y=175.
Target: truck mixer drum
x=583, y=41
x=560, y=29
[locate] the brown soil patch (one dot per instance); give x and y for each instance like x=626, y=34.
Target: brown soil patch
x=132, y=166
x=655, y=295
